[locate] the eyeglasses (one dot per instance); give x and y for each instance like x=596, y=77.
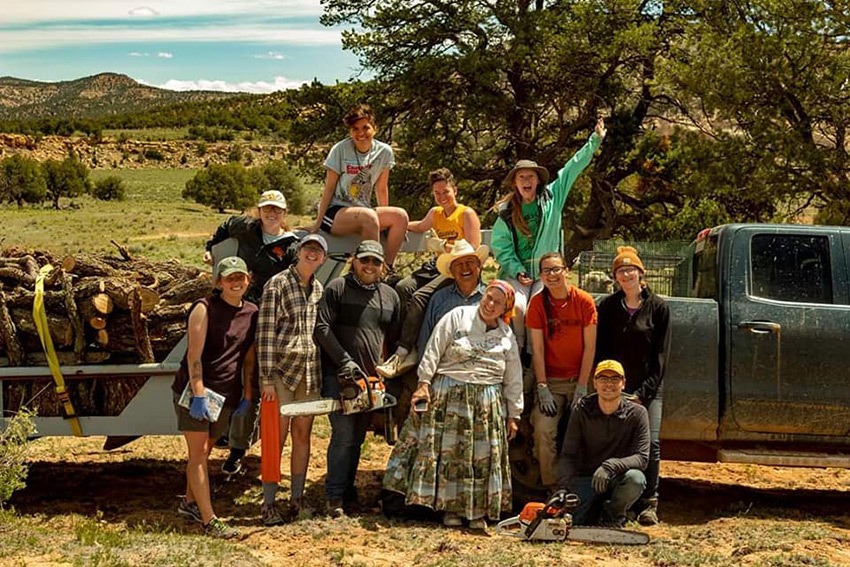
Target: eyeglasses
x=556, y=270
x=371, y=260
x=608, y=378
x=629, y=270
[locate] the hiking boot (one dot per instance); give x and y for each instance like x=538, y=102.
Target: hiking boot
x=271, y=515
x=217, y=528
x=334, y=508
x=610, y=520
x=189, y=510
x=452, y=520
x=396, y=365
x=233, y=464
x=478, y=524
x=649, y=515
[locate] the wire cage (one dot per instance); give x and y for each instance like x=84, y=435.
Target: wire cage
x=662, y=260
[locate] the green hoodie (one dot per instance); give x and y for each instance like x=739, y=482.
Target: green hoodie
x=550, y=203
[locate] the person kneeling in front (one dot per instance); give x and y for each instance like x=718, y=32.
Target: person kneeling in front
x=606, y=449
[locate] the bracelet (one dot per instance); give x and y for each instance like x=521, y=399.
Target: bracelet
x=542, y=385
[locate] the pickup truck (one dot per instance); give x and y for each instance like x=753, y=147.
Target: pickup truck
x=757, y=372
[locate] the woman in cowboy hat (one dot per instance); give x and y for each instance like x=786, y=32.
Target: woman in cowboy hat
x=529, y=222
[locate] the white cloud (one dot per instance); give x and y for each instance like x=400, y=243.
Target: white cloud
x=164, y=55
x=143, y=11
x=270, y=55
x=137, y=54
x=259, y=87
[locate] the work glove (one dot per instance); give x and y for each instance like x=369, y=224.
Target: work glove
x=242, y=408
x=581, y=391
x=545, y=401
x=351, y=368
x=198, y=408
x=600, y=480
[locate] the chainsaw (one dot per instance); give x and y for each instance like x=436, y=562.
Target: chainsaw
x=358, y=394
x=552, y=522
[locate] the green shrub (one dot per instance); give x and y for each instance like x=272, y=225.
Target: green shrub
x=154, y=154
x=13, y=452
x=109, y=189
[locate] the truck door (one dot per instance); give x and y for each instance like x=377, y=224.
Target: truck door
x=789, y=332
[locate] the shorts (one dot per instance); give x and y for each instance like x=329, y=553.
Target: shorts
x=328, y=218
x=186, y=422
x=285, y=395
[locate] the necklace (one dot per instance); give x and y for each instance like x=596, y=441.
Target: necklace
x=368, y=154
x=560, y=304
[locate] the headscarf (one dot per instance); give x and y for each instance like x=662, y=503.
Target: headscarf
x=510, y=298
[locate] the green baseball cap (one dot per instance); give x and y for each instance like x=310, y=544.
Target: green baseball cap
x=232, y=265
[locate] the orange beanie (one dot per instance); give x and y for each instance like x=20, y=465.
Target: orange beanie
x=626, y=256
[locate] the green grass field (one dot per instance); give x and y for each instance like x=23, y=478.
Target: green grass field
x=153, y=221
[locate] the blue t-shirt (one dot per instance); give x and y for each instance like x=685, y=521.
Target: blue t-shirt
x=358, y=171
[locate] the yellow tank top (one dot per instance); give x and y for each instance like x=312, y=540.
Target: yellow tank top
x=449, y=228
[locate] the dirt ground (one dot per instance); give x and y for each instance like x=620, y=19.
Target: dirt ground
x=712, y=514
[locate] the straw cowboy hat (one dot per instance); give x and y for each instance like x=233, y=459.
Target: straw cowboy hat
x=461, y=249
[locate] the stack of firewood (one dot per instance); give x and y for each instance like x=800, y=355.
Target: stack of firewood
x=100, y=308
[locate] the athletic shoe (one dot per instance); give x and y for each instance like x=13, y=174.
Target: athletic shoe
x=452, y=520
x=189, y=510
x=271, y=515
x=233, y=464
x=334, y=508
x=217, y=528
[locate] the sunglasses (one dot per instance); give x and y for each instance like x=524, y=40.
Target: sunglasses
x=371, y=260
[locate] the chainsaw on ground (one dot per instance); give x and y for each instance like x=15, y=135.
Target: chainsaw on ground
x=358, y=394
x=553, y=522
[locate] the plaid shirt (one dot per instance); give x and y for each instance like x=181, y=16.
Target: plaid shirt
x=285, y=345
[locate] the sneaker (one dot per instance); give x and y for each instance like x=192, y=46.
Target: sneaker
x=396, y=365
x=452, y=520
x=335, y=509
x=189, y=510
x=233, y=464
x=478, y=524
x=217, y=528
x=271, y=515
x=222, y=442
x=649, y=515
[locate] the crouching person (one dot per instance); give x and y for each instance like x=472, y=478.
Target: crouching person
x=220, y=349
x=289, y=363
x=606, y=449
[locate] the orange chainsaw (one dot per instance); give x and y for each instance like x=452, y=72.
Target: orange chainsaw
x=553, y=522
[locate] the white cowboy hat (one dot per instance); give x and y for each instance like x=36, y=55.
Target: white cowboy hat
x=461, y=249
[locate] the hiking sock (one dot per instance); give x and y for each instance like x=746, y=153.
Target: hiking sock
x=269, y=493
x=297, y=489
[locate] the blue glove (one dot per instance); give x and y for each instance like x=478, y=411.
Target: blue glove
x=600, y=479
x=243, y=407
x=198, y=408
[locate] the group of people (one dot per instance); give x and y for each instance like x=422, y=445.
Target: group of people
x=273, y=334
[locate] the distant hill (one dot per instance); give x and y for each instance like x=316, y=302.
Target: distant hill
x=106, y=94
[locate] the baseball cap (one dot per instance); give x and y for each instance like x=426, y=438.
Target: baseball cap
x=371, y=248
x=317, y=238
x=231, y=265
x=273, y=198
x=609, y=366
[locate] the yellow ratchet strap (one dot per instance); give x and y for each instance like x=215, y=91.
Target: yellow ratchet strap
x=40, y=317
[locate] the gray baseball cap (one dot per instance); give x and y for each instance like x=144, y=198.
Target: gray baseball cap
x=371, y=248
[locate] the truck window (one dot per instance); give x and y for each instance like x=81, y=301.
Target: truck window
x=704, y=268
x=788, y=267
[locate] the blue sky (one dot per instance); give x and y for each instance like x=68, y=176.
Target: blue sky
x=236, y=45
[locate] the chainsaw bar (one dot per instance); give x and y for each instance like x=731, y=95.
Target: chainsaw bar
x=607, y=535
x=312, y=407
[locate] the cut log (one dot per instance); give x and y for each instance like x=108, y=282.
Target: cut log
x=103, y=303
x=10, y=335
x=188, y=291
x=16, y=276
x=87, y=265
x=74, y=317
x=102, y=338
x=149, y=299
x=143, y=341
x=60, y=328
x=97, y=322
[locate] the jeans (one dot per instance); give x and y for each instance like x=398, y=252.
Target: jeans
x=415, y=307
x=653, y=468
x=347, y=435
x=623, y=491
x=243, y=428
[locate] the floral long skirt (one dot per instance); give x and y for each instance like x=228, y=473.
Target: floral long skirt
x=454, y=457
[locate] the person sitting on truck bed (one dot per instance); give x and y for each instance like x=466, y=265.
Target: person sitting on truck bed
x=451, y=222
x=561, y=323
x=606, y=449
x=452, y=454
x=357, y=319
x=264, y=243
x=356, y=167
x=289, y=362
x=634, y=328
x=221, y=357
x=529, y=221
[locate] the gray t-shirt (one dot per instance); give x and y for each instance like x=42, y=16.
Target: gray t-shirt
x=357, y=171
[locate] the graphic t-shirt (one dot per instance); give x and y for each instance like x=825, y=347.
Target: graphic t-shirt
x=449, y=228
x=568, y=317
x=525, y=244
x=357, y=171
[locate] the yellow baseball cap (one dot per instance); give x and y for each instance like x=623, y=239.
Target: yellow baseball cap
x=609, y=366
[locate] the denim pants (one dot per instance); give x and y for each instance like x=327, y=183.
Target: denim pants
x=347, y=435
x=653, y=468
x=623, y=491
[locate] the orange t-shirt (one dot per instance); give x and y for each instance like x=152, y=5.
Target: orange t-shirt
x=564, y=347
